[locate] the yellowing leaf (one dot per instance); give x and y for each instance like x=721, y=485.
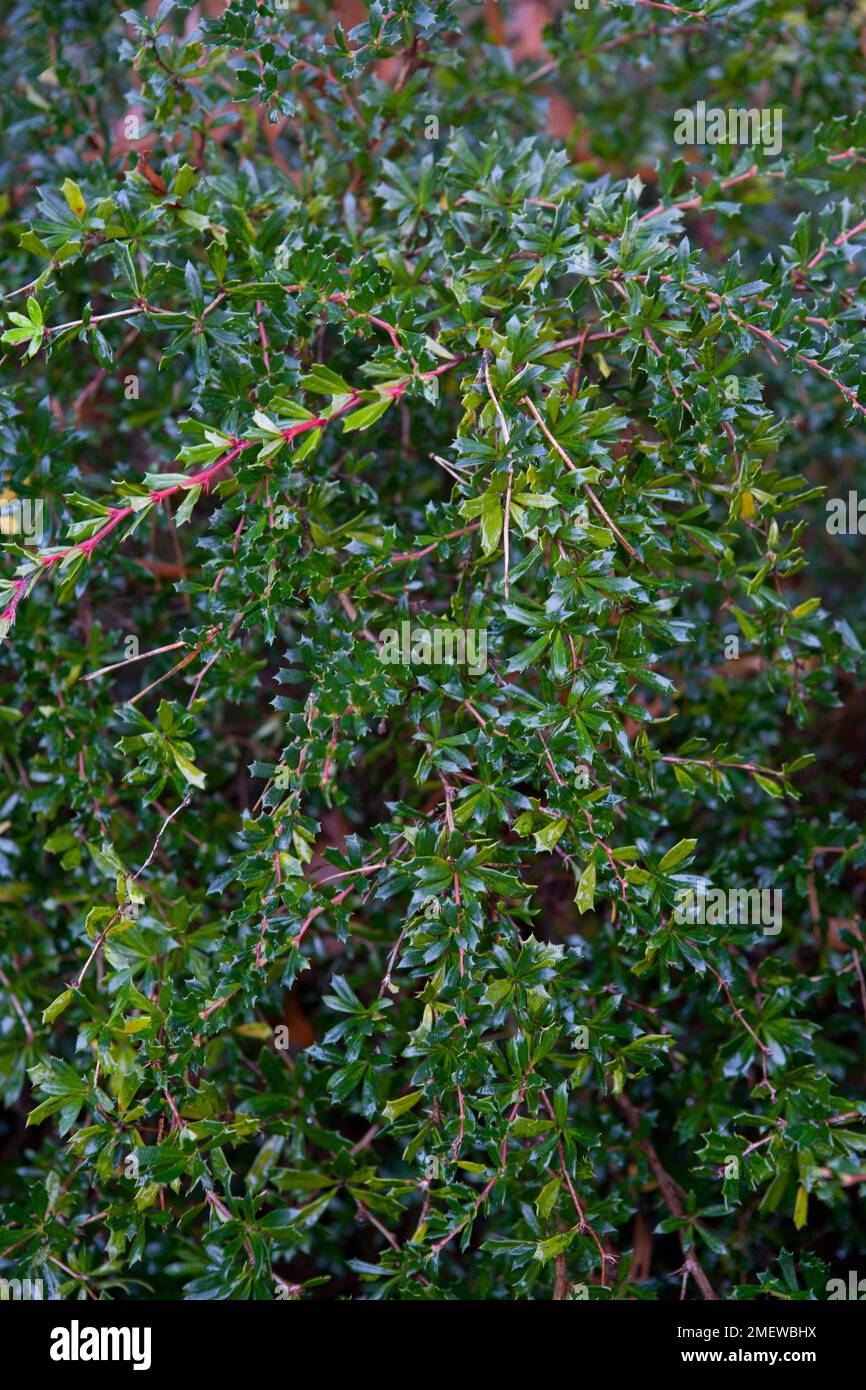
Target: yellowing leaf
x=801, y=1208
x=192, y=774
x=602, y=365
x=74, y=197
x=262, y=1031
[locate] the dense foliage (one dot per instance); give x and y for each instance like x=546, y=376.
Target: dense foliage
x=332, y=968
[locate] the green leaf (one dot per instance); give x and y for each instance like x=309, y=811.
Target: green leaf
x=678, y=852
x=325, y=382
x=585, y=895
x=491, y=522
x=555, y=1245
x=549, y=835
x=771, y=787
x=362, y=419
x=56, y=1007
x=546, y=1199
x=397, y=1107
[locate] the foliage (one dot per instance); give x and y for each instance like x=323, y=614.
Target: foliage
x=314, y=331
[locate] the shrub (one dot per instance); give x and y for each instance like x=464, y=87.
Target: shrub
x=433, y=590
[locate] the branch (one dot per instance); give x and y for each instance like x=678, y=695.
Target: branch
x=587, y=489
x=669, y=1192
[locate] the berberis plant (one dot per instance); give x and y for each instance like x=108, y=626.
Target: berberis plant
x=420, y=620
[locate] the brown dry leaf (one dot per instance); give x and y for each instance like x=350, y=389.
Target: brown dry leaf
x=156, y=181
